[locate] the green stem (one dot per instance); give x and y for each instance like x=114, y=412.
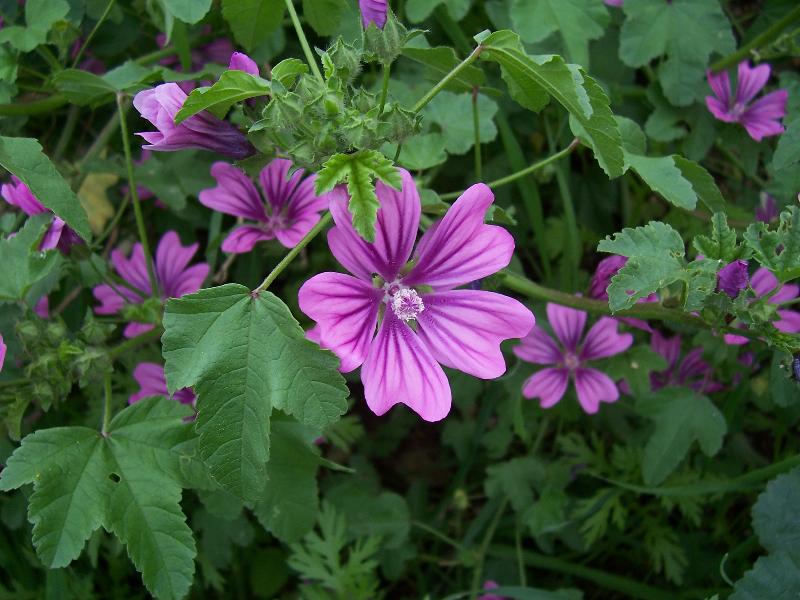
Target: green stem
x=137, y=209
x=437, y=534
x=477, y=572
x=387, y=70
x=312, y=62
x=523, y=579
x=133, y=343
x=572, y=247
x=522, y=173
x=101, y=140
x=14, y=382
x=115, y=221
x=423, y=102
x=290, y=256
x=476, y=126
x=767, y=36
x=89, y=37
x=66, y=133
x=107, y=402
x=603, y=579
x=33, y=107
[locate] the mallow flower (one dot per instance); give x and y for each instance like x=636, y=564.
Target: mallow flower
x=159, y=105
x=288, y=209
x=569, y=358
x=763, y=282
x=241, y=62
x=732, y=278
x=153, y=382
x=174, y=276
x=691, y=371
x=58, y=235
x=410, y=297
x=761, y=118
x=373, y=11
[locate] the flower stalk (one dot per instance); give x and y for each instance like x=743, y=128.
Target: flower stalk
x=301, y=36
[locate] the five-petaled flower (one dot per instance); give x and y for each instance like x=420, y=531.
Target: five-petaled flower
x=290, y=211
x=153, y=382
x=761, y=118
x=422, y=320
x=373, y=11
x=58, y=235
x=570, y=357
x=174, y=276
x=203, y=130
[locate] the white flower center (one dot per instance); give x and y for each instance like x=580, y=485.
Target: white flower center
x=404, y=301
x=571, y=361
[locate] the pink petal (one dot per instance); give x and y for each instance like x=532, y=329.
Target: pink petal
x=241, y=62
x=669, y=348
x=461, y=248
x=400, y=369
x=278, y=186
x=42, y=307
x=395, y=232
x=762, y=118
x=133, y=270
x=234, y=195
x=244, y=238
x=789, y=321
x=719, y=110
x=758, y=129
x=172, y=259
x=539, y=348
x=603, y=340
x=594, y=387
x=548, y=385
x=3, y=349
x=567, y=324
x=721, y=86
x=151, y=380
x=750, y=81
x=53, y=235
x=190, y=281
x=373, y=11
x=463, y=329
x=133, y=330
x=735, y=340
x=346, y=312
x=296, y=231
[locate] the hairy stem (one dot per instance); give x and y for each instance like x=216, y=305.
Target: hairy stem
x=137, y=209
x=290, y=256
x=89, y=37
x=423, y=102
x=387, y=71
x=107, y=402
x=312, y=62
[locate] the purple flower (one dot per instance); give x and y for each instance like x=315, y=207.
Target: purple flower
x=692, y=372
x=290, y=211
x=732, y=278
x=569, y=358
x=761, y=118
x=58, y=235
x=241, y=62
x=767, y=210
x=491, y=585
x=42, y=308
x=373, y=11
x=763, y=282
x=3, y=349
x=152, y=382
x=174, y=276
x=203, y=130
x=601, y=279
x=422, y=321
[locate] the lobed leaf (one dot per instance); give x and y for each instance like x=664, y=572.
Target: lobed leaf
x=232, y=87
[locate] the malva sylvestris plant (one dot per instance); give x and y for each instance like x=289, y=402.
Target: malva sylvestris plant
x=372, y=300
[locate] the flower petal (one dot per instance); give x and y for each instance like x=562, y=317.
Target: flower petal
x=539, y=348
x=400, y=369
x=276, y=183
x=603, y=340
x=721, y=86
x=133, y=330
x=789, y=321
x=234, y=195
x=750, y=81
x=720, y=111
x=346, y=311
x=373, y=11
x=244, y=238
x=461, y=248
x=297, y=230
x=241, y=62
x=463, y=329
x=3, y=349
x=567, y=324
x=172, y=258
x=594, y=387
x=669, y=348
x=395, y=231
x=134, y=271
x=548, y=385
x=151, y=380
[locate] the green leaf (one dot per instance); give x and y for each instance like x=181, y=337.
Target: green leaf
x=419, y=152
x=635, y=366
x=515, y=480
x=23, y=264
x=40, y=16
x=681, y=416
x=532, y=79
x=129, y=481
x=775, y=517
x=778, y=250
x=575, y=21
x=664, y=177
x=288, y=70
x=776, y=577
x=252, y=21
x=188, y=11
x=722, y=244
x=371, y=512
x=785, y=391
x=232, y=87
x=440, y=60
x=453, y=114
x=324, y=16
x=419, y=10
x=359, y=170
x=24, y=158
x=787, y=152
x=246, y=355
x=687, y=31
x=83, y=88
x=289, y=503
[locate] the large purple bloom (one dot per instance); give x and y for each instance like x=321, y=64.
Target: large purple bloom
x=174, y=276
x=58, y=235
x=373, y=11
x=692, y=371
x=290, y=211
x=570, y=357
x=421, y=319
x=763, y=282
x=153, y=382
x=203, y=130
x=761, y=118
